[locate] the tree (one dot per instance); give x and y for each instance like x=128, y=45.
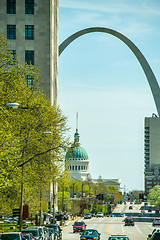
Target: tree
x=27, y=154
x=154, y=196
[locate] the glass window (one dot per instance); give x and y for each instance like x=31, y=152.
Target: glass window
x=78, y=167
x=29, y=6
x=29, y=81
x=72, y=167
x=29, y=32
x=29, y=57
x=11, y=6
x=81, y=167
x=75, y=167
x=11, y=31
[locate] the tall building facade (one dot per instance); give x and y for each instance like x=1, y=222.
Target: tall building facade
x=31, y=28
x=152, y=152
x=77, y=160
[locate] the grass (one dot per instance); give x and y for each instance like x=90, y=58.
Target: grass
x=7, y=227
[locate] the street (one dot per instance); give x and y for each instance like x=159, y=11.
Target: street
x=113, y=225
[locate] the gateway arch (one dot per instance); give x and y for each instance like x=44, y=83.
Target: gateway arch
x=143, y=62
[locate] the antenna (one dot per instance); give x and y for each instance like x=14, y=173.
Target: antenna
x=77, y=121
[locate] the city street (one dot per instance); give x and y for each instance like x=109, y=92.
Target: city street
x=113, y=225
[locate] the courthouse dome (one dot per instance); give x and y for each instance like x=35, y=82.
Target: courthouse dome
x=76, y=152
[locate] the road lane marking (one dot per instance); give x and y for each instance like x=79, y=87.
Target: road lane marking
x=138, y=230
x=106, y=230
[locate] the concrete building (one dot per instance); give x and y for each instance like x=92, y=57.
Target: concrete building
x=77, y=160
x=152, y=152
x=110, y=182
x=31, y=27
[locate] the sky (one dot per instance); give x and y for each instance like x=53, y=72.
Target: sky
x=101, y=79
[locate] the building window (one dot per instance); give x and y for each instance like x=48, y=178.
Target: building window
x=29, y=81
x=29, y=32
x=81, y=167
x=29, y=57
x=72, y=167
x=78, y=167
x=75, y=167
x=11, y=31
x=29, y=6
x=11, y=6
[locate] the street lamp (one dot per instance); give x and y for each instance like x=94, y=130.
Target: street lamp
x=15, y=106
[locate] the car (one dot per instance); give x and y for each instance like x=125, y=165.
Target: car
x=12, y=236
x=57, y=230
x=28, y=236
x=156, y=221
x=121, y=215
x=129, y=221
x=118, y=237
x=155, y=235
x=87, y=216
x=35, y=230
x=130, y=207
x=99, y=214
x=79, y=226
x=90, y=234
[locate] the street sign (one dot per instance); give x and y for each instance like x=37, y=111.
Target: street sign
x=16, y=212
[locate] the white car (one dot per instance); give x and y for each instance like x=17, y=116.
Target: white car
x=99, y=214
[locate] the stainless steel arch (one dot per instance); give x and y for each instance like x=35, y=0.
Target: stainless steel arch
x=143, y=62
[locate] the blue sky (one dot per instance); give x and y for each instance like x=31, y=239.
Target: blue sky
x=101, y=79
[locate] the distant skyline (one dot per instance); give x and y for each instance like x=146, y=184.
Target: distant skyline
x=101, y=79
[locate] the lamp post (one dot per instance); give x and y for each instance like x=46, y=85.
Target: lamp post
x=15, y=106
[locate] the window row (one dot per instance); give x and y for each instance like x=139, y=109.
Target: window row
x=29, y=56
x=78, y=167
x=29, y=32
x=11, y=6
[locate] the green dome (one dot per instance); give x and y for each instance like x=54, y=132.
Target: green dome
x=76, y=152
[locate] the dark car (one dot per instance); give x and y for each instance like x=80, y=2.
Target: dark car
x=154, y=236
x=12, y=236
x=79, y=226
x=129, y=221
x=90, y=234
x=130, y=207
x=87, y=216
x=156, y=221
x=118, y=237
x=57, y=230
x=28, y=236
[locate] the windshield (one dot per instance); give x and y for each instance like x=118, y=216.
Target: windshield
x=33, y=231
x=79, y=224
x=90, y=232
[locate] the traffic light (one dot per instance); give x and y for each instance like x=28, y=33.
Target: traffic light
x=141, y=196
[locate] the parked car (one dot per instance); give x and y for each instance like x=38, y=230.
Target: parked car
x=129, y=221
x=87, y=216
x=28, y=236
x=99, y=214
x=130, y=207
x=57, y=230
x=156, y=221
x=79, y=226
x=118, y=237
x=155, y=235
x=90, y=234
x=35, y=230
x=12, y=236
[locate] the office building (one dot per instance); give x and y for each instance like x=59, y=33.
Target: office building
x=152, y=152
x=31, y=28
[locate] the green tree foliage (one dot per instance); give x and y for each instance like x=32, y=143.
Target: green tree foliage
x=33, y=136
x=154, y=196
